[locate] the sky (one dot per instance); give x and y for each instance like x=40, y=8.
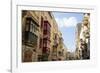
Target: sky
x=67, y=22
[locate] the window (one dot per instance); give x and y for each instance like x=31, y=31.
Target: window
x=44, y=49
x=60, y=53
x=45, y=44
x=45, y=26
x=30, y=38
x=45, y=32
x=41, y=22
x=41, y=43
x=31, y=25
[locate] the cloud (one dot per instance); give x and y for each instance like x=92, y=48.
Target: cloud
x=66, y=22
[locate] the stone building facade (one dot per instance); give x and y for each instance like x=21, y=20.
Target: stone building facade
x=41, y=39
x=83, y=38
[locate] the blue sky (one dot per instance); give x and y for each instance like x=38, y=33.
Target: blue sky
x=67, y=23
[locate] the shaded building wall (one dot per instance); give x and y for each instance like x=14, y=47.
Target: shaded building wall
x=29, y=37
x=85, y=37
x=43, y=43
x=45, y=35
x=78, y=51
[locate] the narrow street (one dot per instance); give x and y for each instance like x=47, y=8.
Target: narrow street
x=43, y=40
